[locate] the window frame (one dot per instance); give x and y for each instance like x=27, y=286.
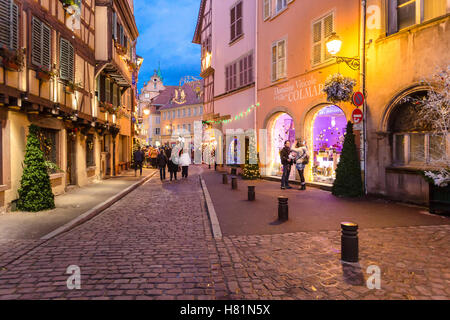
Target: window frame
x=325, y=57
x=234, y=23
x=392, y=17
x=275, y=75
x=407, y=148
x=277, y=11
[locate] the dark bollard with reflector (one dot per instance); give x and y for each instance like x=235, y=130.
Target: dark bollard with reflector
x=283, y=209
x=233, y=183
x=349, y=242
x=251, y=193
x=224, y=178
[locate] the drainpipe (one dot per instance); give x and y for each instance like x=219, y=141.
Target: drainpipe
x=255, y=68
x=363, y=84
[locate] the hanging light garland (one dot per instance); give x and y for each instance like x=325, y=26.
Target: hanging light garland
x=236, y=117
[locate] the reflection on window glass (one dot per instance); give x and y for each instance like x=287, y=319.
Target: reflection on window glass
x=437, y=148
x=399, y=156
x=417, y=147
x=406, y=12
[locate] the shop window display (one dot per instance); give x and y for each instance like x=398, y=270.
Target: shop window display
x=282, y=129
x=234, y=152
x=328, y=137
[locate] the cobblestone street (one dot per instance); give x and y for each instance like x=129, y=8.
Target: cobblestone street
x=156, y=243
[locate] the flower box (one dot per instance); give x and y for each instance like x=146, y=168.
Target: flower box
x=43, y=76
x=439, y=199
x=11, y=65
x=69, y=89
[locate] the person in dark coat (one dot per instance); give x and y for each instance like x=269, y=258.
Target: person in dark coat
x=162, y=162
x=287, y=162
x=138, y=160
x=172, y=167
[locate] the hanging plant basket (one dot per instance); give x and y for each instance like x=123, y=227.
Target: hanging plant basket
x=339, y=88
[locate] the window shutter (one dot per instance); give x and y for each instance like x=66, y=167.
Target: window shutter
x=234, y=75
x=4, y=22
x=102, y=88
x=281, y=59
x=107, y=90
x=232, y=23
x=15, y=27
x=66, y=60
x=317, y=42
x=244, y=71
x=46, y=46
x=250, y=68
x=226, y=79
x=241, y=72
x=239, y=19
x=266, y=8
x=392, y=17
x=114, y=25
x=114, y=94
x=274, y=62
x=36, y=42
x=328, y=28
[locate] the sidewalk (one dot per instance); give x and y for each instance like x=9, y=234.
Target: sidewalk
x=310, y=210
x=30, y=225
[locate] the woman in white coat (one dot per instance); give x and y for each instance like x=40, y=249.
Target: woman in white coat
x=301, y=160
x=185, y=161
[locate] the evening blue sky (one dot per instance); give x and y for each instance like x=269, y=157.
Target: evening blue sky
x=166, y=29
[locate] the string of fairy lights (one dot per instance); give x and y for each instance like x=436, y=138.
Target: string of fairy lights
x=237, y=116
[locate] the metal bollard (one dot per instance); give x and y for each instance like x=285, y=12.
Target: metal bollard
x=224, y=178
x=233, y=183
x=251, y=193
x=349, y=242
x=283, y=209
x=233, y=171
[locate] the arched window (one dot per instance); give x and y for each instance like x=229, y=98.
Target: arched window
x=414, y=142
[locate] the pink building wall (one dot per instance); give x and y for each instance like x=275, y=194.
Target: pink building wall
x=224, y=53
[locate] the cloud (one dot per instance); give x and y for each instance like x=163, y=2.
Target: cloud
x=166, y=29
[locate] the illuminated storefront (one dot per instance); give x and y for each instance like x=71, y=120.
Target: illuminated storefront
x=328, y=129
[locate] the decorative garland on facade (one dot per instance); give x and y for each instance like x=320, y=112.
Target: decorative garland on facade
x=236, y=117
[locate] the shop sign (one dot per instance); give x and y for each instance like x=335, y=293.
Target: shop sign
x=358, y=99
x=299, y=90
x=357, y=116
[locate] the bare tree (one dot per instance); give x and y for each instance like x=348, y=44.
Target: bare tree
x=434, y=113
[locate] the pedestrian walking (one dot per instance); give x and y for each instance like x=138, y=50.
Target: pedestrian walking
x=185, y=161
x=162, y=162
x=301, y=160
x=153, y=157
x=287, y=162
x=138, y=160
x=171, y=166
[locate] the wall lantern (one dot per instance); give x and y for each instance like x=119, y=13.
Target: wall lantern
x=334, y=44
x=146, y=112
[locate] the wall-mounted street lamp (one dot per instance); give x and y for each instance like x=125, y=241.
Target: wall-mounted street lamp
x=146, y=112
x=334, y=44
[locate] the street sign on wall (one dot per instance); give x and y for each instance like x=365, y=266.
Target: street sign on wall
x=357, y=116
x=358, y=99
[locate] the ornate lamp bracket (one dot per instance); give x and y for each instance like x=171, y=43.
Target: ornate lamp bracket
x=353, y=63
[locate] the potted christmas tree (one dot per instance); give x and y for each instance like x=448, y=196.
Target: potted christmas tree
x=35, y=192
x=348, y=181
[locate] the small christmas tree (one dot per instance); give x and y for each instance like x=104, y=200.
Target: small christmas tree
x=251, y=171
x=348, y=181
x=35, y=193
